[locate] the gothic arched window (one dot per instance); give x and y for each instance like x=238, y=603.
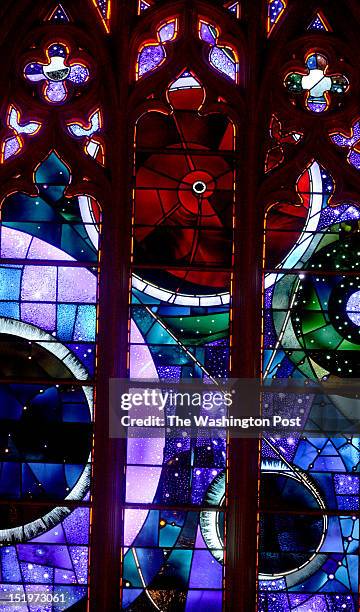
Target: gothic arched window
x=179, y=201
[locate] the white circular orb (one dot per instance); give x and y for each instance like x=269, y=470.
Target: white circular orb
x=199, y=187
x=353, y=308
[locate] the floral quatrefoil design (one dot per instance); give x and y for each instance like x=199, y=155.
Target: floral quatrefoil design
x=317, y=84
x=57, y=73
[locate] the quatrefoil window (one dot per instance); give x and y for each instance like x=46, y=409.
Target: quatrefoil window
x=317, y=84
x=57, y=74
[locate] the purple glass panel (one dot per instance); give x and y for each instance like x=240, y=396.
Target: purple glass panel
x=78, y=74
x=34, y=72
x=77, y=285
x=141, y=483
x=206, y=572
x=11, y=147
x=206, y=34
x=150, y=57
x=56, y=91
x=41, y=315
x=317, y=107
x=167, y=32
x=39, y=283
x=222, y=62
x=204, y=600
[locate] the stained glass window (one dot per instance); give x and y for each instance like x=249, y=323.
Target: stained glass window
x=183, y=223
x=276, y=9
x=152, y=54
x=234, y=7
x=48, y=313
x=57, y=74
x=222, y=57
x=319, y=23
x=103, y=8
x=13, y=144
x=307, y=555
x=89, y=134
x=318, y=83
x=280, y=141
x=58, y=15
x=309, y=490
x=221, y=141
